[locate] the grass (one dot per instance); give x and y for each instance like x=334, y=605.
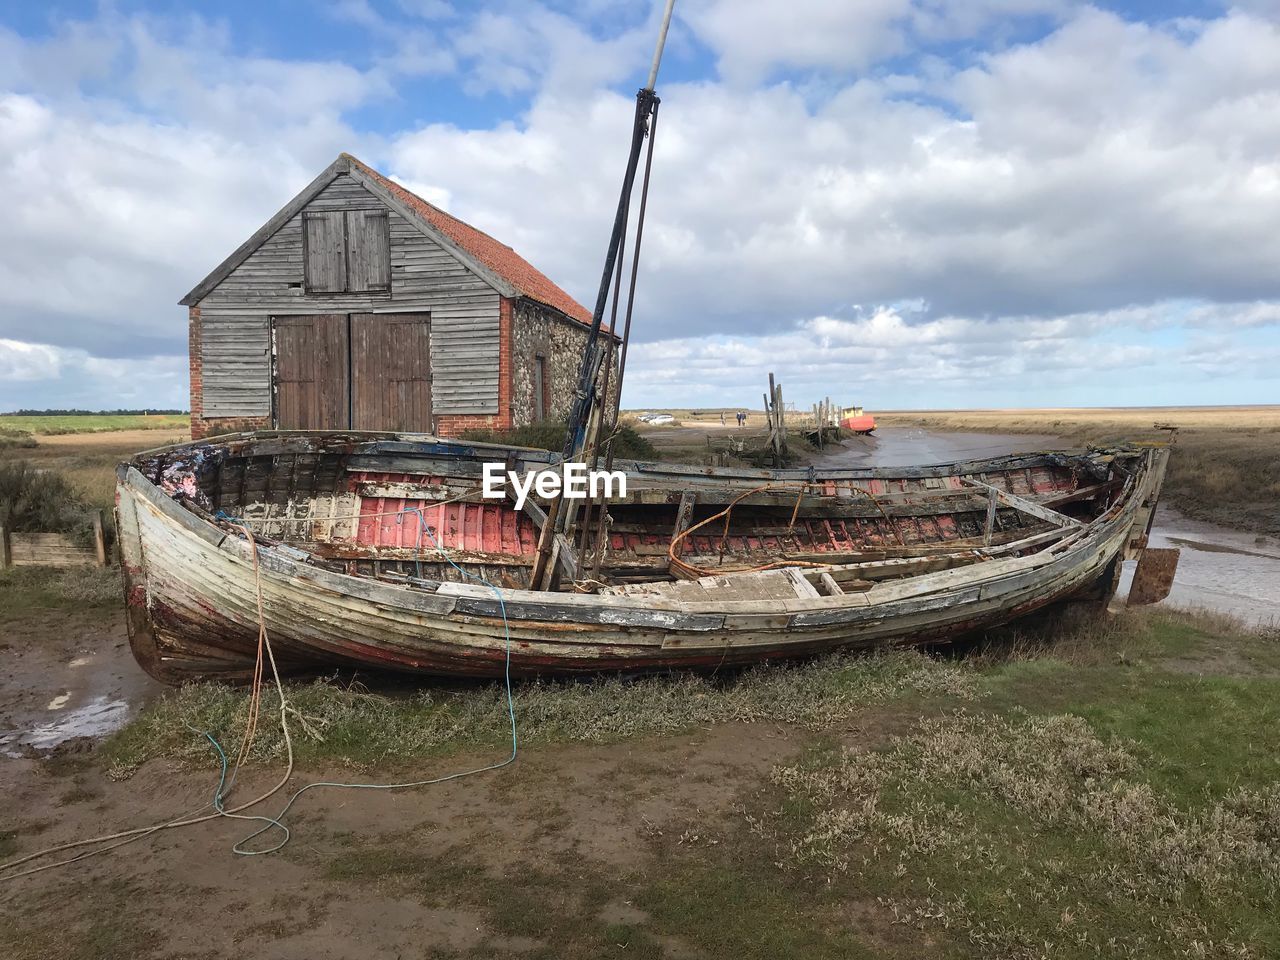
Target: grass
x=1106, y=802
x=16, y=439
x=57, y=424
x=1225, y=466
x=88, y=460
x=351, y=726
x=28, y=590
x=42, y=501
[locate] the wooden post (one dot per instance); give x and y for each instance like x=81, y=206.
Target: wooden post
x=538, y=578
x=782, y=422
x=684, y=517
x=6, y=552
x=990, y=527
x=99, y=539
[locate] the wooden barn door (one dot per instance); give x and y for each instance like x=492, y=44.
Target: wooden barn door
x=312, y=362
x=391, y=372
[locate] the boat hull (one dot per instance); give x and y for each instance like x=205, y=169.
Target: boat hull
x=193, y=592
x=861, y=424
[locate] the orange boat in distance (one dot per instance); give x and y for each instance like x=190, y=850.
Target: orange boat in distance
x=852, y=418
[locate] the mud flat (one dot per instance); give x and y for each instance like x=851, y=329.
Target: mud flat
x=684, y=817
x=909, y=445
x=1220, y=570
x=1226, y=462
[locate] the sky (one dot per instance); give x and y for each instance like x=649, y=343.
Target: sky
x=898, y=203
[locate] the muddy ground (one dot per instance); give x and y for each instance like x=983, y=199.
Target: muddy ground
x=573, y=850
x=67, y=678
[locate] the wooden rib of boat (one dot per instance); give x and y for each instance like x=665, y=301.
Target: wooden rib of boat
x=346, y=528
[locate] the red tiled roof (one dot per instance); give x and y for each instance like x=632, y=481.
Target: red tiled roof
x=498, y=257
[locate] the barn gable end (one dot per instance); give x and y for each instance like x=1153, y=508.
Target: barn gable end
x=235, y=313
x=440, y=268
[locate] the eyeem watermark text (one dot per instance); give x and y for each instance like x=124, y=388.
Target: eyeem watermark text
x=573, y=481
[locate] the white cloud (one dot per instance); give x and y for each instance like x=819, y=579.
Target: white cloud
x=885, y=358
x=39, y=375
x=1061, y=179
x=28, y=361
x=754, y=38
x=1075, y=194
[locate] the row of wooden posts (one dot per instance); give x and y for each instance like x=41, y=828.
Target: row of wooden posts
x=52, y=549
x=775, y=413
x=826, y=418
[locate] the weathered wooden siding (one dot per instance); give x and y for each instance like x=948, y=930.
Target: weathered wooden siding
x=425, y=277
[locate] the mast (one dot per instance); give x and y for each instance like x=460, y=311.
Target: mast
x=594, y=354
x=582, y=409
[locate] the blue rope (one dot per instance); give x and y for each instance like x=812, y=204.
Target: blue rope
x=222, y=780
x=277, y=820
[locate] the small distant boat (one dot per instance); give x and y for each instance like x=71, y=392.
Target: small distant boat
x=702, y=567
x=852, y=418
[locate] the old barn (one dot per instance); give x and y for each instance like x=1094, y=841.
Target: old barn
x=360, y=305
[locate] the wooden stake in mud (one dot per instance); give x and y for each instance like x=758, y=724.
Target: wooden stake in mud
x=780, y=433
x=99, y=540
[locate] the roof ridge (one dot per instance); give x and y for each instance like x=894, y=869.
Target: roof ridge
x=489, y=251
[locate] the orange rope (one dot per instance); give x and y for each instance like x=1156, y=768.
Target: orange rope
x=692, y=572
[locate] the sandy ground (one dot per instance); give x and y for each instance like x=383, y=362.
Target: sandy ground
x=126, y=441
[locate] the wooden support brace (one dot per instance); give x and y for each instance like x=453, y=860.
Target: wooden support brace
x=684, y=516
x=829, y=582
x=1023, y=504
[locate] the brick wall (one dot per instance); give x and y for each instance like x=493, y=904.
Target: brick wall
x=540, y=331
x=451, y=425
x=196, y=370
x=216, y=426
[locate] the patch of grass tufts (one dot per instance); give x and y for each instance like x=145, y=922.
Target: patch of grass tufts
x=24, y=589
x=11, y=439
x=1036, y=836
x=353, y=726
x=34, y=500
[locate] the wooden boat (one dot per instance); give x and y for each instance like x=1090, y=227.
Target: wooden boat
x=853, y=418
x=377, y=551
